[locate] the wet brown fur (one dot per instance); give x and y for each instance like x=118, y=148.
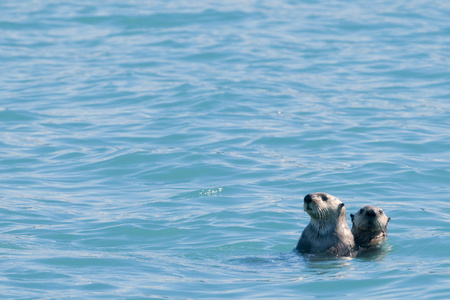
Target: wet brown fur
x=369, y=227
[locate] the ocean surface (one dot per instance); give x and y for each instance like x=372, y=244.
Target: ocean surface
x=162, y=149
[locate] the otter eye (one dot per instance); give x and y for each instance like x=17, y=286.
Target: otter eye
x=324, y=198
x=380, y=211
x=361, y=211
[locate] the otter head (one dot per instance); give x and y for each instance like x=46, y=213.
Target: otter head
x=323, y=206
x=370, y=218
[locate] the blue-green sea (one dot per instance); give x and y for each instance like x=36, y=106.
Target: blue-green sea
x=162, y=149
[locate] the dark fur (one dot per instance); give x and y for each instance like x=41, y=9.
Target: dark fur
x=369, y=227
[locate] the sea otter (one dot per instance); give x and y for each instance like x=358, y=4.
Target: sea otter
x=328, y=230
x=369, y=227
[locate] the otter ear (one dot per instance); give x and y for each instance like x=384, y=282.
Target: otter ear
x=352, y=216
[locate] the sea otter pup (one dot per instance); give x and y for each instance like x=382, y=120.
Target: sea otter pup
x=369, y=226
x=328, y=230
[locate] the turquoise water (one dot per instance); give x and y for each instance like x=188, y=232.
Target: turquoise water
x=163, y=149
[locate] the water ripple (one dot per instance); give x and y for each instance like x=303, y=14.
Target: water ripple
x=163, y=149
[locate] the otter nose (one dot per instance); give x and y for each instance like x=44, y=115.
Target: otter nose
x=370, y=213
x=308, y=199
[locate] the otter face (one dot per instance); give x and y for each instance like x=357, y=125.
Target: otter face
x=370, y=218
x=322, y=206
